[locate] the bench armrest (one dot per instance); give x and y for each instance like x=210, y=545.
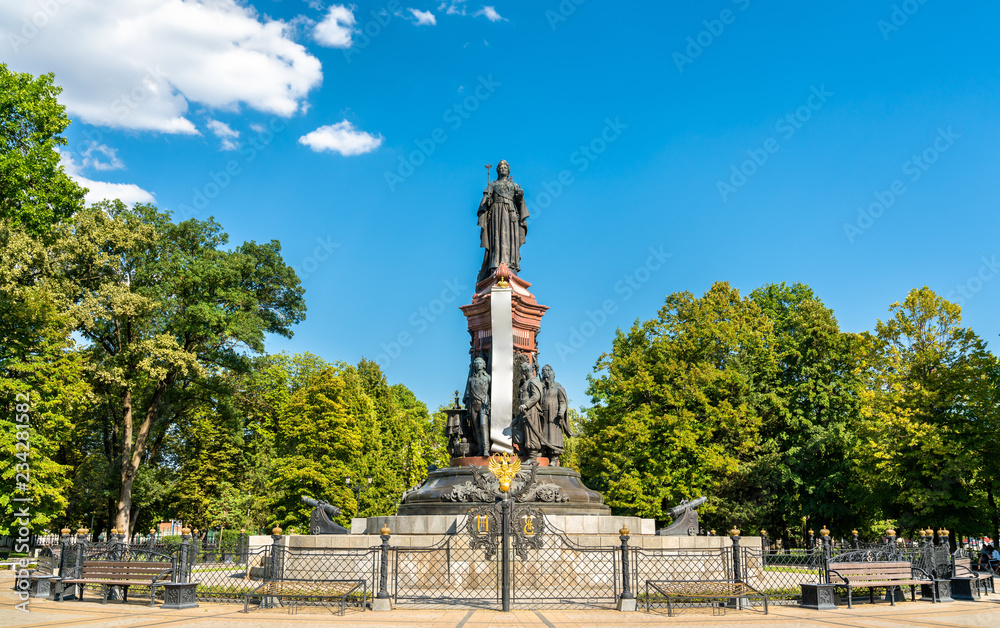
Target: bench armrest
x=846, y=580
x=927, y=576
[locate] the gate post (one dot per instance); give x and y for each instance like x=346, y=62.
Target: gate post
x=63, y=549
x=382, y=601
x=275, y=571
x=505, y=562
x=119, y=537
x=890, y=538
x=81, y=551
x=79, y=556
x=857, y=544
x=734, y=535
x=181, y=575
x=627, y=601
x=827, y=552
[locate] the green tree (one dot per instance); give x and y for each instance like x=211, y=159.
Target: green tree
x=163, y=304
x=983, y=441
x=680, y=402
x=38, y=362
x=812, y=439
x=35, y=191
x=350, y=422
x=921, y=415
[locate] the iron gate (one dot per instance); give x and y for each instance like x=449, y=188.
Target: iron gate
x=466, y=569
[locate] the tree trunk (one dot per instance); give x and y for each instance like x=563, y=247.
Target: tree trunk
x=127, y=475
x=131, y=454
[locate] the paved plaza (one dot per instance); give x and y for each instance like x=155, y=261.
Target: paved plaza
x=92, y=614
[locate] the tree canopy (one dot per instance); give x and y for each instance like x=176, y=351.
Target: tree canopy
x=35, y=191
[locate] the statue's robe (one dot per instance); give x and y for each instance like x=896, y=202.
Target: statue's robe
x=503, y=224
x=531, y=419
x=555, y=408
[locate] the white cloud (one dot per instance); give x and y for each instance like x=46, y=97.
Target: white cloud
x=336, y=28
x=128, y=193
x=141, y=64
x=453, y=7
x=423, y=18
x=221, y=129
x=491, y=14
x=100, y=157
x=225, y=133
x=342, y=138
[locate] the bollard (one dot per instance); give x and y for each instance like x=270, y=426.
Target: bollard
x=626, y=602
x=382, y=601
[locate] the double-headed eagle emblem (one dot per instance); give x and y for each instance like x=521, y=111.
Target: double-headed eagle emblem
x=504, y=466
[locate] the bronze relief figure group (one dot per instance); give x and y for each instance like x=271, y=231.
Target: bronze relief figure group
x=541, y=423
x=543, y=415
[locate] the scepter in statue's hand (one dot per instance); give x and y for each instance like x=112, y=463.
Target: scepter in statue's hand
x=487, y=166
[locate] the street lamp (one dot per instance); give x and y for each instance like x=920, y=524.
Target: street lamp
x=359, y=489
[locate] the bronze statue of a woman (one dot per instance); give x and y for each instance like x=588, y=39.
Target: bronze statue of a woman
x=503, y=223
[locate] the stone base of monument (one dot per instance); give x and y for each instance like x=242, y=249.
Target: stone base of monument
x=381, y=604
x=453, y=491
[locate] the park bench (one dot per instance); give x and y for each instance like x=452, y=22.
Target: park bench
x=125, y=574
x=968, y=583
x=717, y=592
x=296, y=590
x=878, y=575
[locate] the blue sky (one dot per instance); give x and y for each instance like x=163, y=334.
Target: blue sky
x=661, y=148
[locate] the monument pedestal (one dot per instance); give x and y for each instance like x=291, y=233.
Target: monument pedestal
x=453, y=491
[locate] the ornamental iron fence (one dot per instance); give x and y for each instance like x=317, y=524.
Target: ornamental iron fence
x=545, y=568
